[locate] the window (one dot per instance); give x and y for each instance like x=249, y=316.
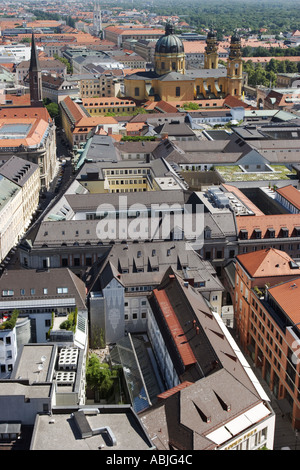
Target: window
x=45, y=290
x=136, y=91
x=62, y=290
x=32, y=291
x=178, y=91
x=7, y=293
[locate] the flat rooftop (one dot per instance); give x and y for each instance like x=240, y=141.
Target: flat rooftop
x=61, y=432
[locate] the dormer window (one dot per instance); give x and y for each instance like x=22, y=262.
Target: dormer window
x=257, y=233
x=271, y=233
x=207, y=233
x=244, y=235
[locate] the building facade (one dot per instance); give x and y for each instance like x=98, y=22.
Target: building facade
x=172, y=82
x=266, y=316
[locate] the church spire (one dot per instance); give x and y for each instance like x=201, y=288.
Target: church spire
x=35, y=76
x=34, y=59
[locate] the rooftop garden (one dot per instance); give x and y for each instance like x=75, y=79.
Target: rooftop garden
x=10, y=323
x=235, y=173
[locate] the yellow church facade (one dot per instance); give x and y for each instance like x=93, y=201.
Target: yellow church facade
x=170, y=81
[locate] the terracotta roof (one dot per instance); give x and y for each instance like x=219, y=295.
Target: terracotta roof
x=199, y=47
x=134, y=126
x=73, y=108
x=287, y=295
x=268, y=263
x=117, y=137
x=277, y=222
x=37, y=130
x=15, y=100
x=282, y=99
x=234, y=102
x=134, y=31
x=162, y=106
x=26, y=112
x=175, y=328
x=95, y=120
x=291, y=194
x=173, y=390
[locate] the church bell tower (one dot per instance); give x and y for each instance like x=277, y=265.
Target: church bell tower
x=97, y=21
x=211, y=58
x=235, y=67
x=35, y=77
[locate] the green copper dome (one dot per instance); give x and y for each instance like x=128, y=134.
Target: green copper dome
x=169, y=43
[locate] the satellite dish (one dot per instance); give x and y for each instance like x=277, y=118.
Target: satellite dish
x=43, y=358
x=40, y=367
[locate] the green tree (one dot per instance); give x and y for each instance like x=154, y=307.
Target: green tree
x=64, y=61
x=100, y=377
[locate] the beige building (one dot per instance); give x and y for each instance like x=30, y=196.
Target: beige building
x=106, y=84
x=49, y=65
x=118, y=35
x=11, y=215
x=19, y=198
x=102, y=106
x=26, y=175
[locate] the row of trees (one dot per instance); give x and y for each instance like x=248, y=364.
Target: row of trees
x=267, y=75
x=260, y=51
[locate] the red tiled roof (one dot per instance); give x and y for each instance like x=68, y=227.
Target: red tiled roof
x=234, y=102
x=291, y=194
x=287, y=295
x=175, y=328
x=74, y=109
x=173, y=390
x=268, y=263
x=264, y=222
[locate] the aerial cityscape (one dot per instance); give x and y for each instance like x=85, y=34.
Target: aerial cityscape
x=149, y=227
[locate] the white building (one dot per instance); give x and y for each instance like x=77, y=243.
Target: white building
x=11, y=215
x=14, y=53
x=44, y=298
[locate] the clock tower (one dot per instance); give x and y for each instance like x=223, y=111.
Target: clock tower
x=235, y=68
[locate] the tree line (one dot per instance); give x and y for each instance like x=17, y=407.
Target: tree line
x=267, y=75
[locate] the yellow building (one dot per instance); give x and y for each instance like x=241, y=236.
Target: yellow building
x=170, y=81
x=96, y=106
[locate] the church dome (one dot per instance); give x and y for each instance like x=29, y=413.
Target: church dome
x=169, y=43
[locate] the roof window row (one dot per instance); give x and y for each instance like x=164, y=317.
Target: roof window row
x=257, y=233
